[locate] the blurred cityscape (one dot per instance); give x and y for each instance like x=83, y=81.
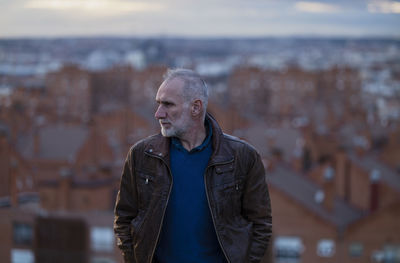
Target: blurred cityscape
x=323, y=113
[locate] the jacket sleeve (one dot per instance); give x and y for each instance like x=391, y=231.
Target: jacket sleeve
x=257, y=209
x=126, y=210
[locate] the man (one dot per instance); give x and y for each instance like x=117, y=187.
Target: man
x=191, y=193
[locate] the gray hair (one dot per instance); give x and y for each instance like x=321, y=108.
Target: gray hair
x=194, y=86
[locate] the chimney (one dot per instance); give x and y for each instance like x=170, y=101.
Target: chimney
x=342, y=169
x=13, y=183
x=8, y=168
x=274, y=160
x=64, y=188
x=306, y=159
x=328, y=188
x=374, y=179
x=36, y=143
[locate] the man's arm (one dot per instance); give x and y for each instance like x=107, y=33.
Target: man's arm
x=257, y=209
x=126, y=210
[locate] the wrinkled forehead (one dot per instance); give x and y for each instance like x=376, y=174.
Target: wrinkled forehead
x=170, y=88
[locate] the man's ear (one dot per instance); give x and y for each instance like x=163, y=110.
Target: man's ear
x=196, y=108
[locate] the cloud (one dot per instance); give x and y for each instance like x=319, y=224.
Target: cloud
x=99, y=7
x=316, y=7
x=383, y=6
x=204, y=18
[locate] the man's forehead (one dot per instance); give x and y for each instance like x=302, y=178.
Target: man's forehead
x=171, y=87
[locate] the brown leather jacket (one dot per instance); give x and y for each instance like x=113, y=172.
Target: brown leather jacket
x=236, y=190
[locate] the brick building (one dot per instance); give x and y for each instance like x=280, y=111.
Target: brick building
x=62, y=191
x=69, y=93
x=295, y=92
x=308, y=220
x=18, y=180
x=331, y=167
x=375, y=238
x=122, y=128
x=311, y=223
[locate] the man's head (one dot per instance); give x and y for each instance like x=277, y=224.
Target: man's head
x=182, y=99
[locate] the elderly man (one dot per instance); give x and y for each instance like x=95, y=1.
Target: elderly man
x=191, y=193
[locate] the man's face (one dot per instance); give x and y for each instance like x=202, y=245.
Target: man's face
x=172, y=112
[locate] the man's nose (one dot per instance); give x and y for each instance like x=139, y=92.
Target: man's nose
x=160, y=113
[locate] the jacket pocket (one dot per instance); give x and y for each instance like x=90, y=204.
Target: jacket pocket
x=230, y=196
x=239, y=249
x=146, y=185
x=137, y=224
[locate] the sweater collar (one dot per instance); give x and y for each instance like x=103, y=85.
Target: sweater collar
x=159, y=146
x=176, y=143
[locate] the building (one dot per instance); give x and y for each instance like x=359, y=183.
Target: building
x=308, y=220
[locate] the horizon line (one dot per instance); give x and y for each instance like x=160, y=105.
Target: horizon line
x=204, y=37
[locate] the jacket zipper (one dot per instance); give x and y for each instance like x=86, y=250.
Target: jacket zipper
x=165, y=208
x=209, y=206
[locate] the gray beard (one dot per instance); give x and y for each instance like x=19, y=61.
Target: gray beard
x=170, y=132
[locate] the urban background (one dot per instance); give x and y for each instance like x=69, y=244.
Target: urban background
x=323, y=112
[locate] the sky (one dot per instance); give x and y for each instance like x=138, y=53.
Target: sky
x=202, y=18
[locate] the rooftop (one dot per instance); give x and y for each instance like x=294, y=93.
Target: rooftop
x=303, y=190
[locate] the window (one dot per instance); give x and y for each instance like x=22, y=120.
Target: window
x=326, y=248
x=101, y=260
x=22, y=234
x=22, y=256
x=102, y=239
x=288, y=249
x=329, y=173
x=356, y=249
x=389, y=254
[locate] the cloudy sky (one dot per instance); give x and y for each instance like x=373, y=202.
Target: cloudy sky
x=202, y=18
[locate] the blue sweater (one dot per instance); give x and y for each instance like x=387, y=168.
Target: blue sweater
x=188, y=234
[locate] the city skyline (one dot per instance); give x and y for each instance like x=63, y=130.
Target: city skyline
x=86, y=18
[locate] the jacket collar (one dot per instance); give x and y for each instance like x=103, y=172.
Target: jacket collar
x=159, y=145
x=222, y=153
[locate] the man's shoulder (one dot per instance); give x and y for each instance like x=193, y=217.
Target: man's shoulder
x=143, y=143
x=238, y=143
